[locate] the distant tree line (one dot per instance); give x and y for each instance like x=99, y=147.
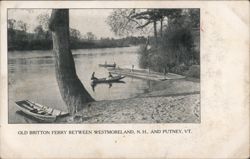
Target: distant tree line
x=41, y=38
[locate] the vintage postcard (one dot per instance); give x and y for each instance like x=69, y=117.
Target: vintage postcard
x=131, y=66
x=126, y=79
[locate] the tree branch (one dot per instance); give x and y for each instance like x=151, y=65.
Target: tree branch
x=132, y=20
x=144, y=25
x=142, y=13
x=142, y=17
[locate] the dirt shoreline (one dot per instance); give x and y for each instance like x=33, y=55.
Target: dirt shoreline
x=177, y=101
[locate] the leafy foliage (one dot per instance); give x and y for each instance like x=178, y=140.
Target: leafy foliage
x=44, y=20
x=176, y=49
x=121, y=23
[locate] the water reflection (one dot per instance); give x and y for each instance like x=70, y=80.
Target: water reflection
x=110, y=84
x=31, y=75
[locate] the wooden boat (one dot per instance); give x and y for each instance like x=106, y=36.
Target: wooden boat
x=108, y=80
x=39, y=112
x=107, y=65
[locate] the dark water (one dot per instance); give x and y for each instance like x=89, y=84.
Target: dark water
x=32, y=76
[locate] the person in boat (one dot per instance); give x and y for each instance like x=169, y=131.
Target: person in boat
x=93, y=76
x=110, y=75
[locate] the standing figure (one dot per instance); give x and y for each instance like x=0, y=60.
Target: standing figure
x=93, y=76
x=110, y=75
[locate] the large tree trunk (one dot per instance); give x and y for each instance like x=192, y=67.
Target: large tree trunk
x=72, y=90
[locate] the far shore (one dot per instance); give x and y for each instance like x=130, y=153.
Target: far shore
x=46, y=49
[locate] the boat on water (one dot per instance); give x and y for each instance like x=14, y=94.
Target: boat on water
x=40, y=112
x=107, y=65
x=108, y=79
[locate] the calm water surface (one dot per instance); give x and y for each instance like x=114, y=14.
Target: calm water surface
x=32, y=76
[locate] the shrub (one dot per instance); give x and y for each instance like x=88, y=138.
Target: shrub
x=174, y=51
x=194, y=71
x=144, y=61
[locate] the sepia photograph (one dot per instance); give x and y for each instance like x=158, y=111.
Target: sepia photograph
x=130, y=65
x=124, y=79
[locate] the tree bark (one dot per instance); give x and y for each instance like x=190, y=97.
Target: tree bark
x=72, y=90
x=161, y=27
x=147, y=43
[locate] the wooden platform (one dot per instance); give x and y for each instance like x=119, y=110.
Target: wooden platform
x=145, y=74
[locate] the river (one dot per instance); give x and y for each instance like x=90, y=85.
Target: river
x=31, y=75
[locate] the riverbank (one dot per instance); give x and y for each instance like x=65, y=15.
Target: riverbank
x=163, y=104
x=145, y=74
x=47, y=45
x=20, y=40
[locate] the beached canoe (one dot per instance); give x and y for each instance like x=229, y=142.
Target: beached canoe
x=43, y=113
x=107, y=65
x=108, y=80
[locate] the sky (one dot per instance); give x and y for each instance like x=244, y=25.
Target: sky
x=84, y=20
